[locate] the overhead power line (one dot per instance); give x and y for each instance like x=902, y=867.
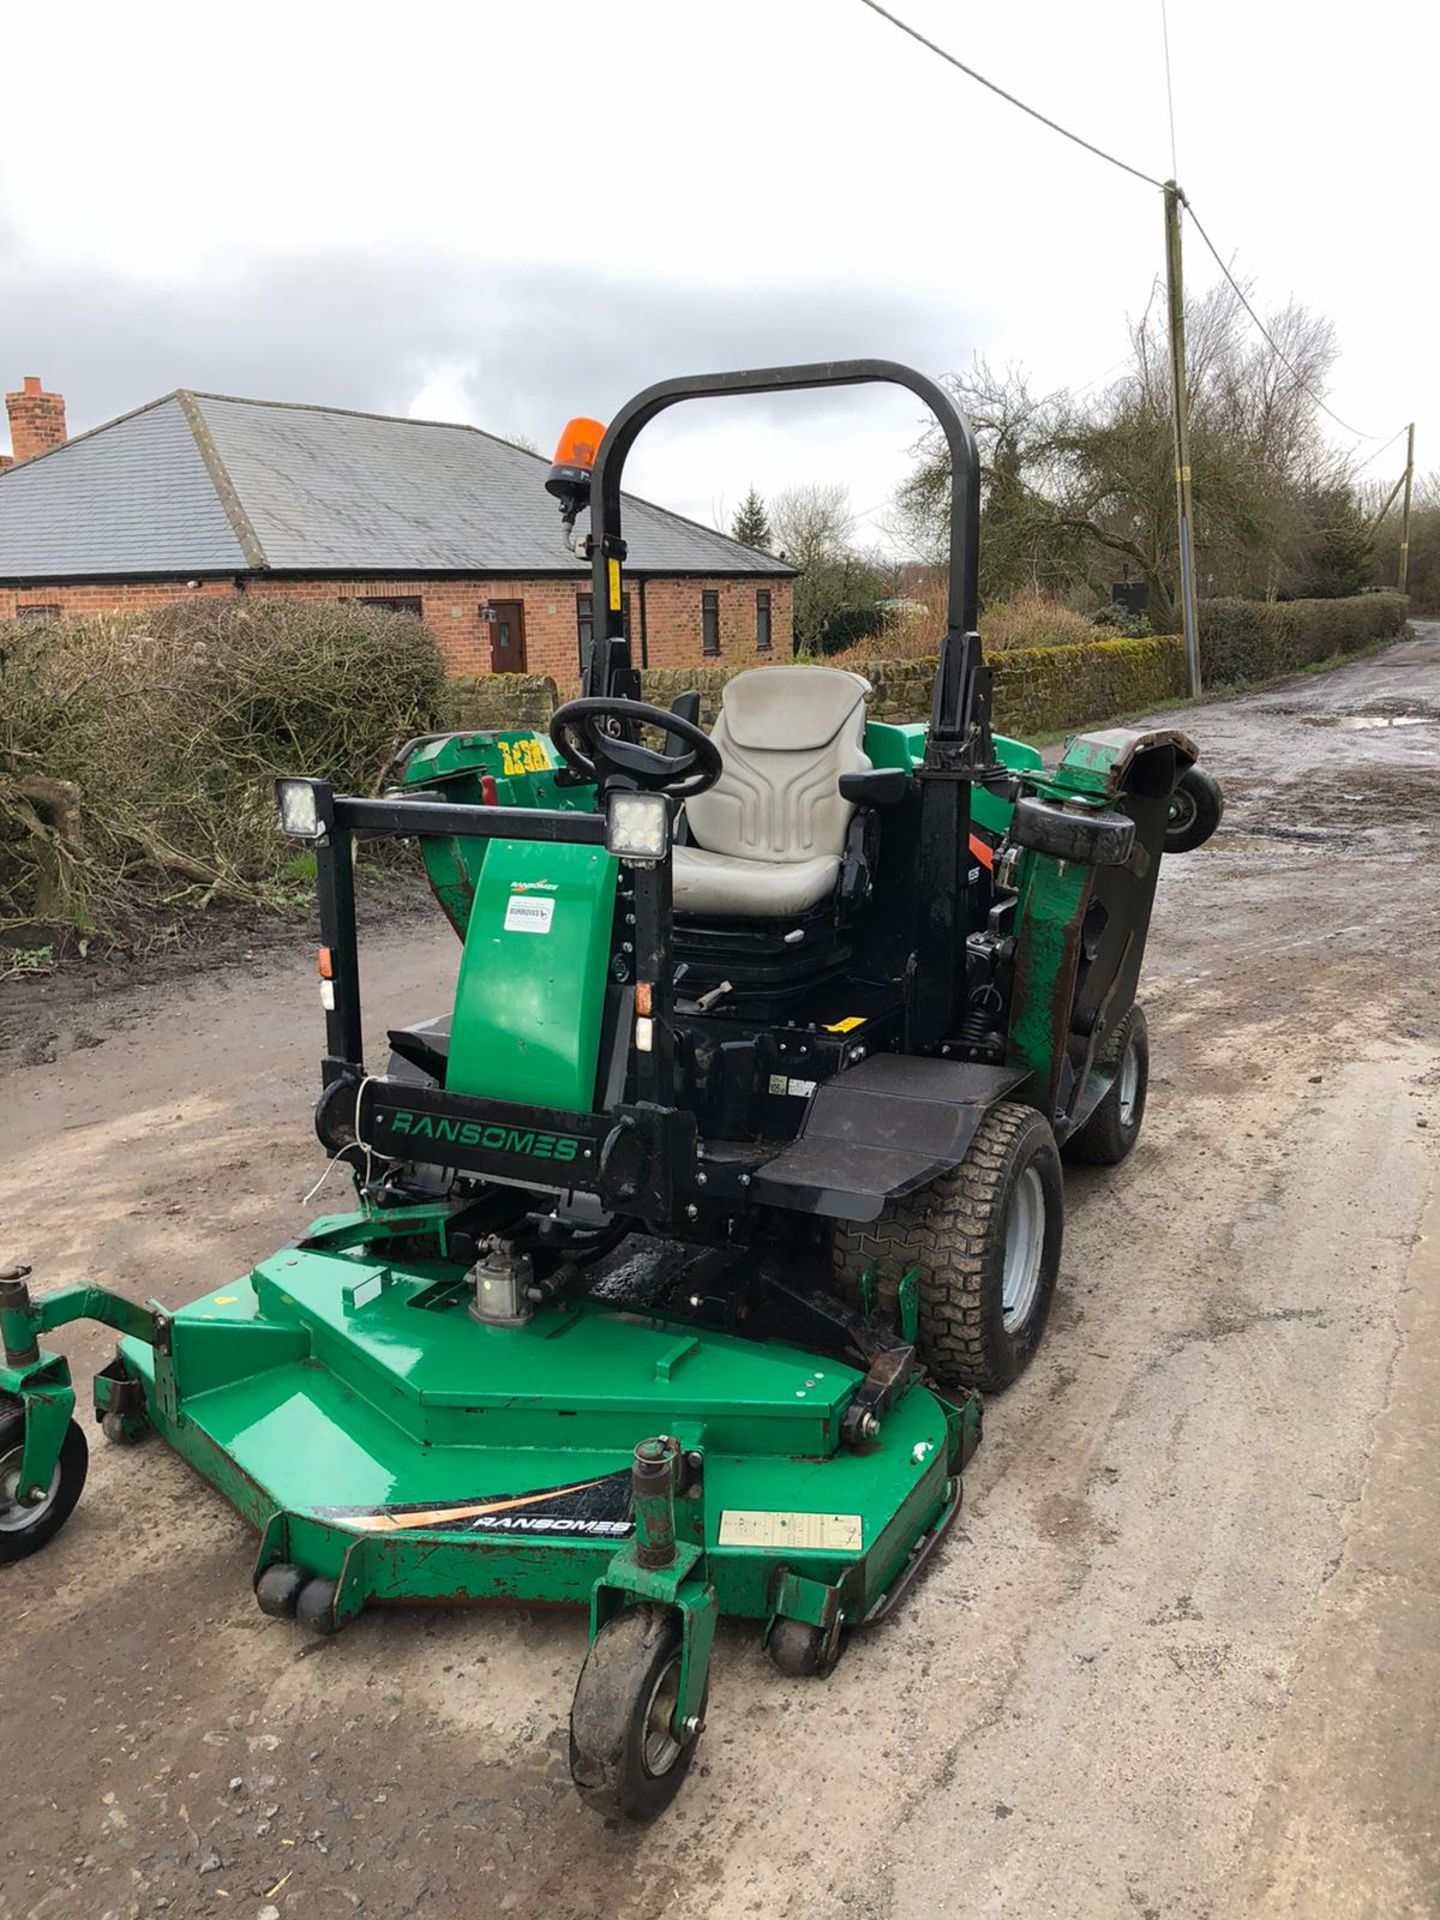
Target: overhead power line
x=1275, y=347
x=1034, y=113
x=1370, y=458
x=1136, y=173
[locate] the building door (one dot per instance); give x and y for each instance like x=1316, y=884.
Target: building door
x=507, y=636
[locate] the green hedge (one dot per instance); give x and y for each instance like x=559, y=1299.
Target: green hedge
x=1048, y=689
x=1245, y=640
x=1037, y=689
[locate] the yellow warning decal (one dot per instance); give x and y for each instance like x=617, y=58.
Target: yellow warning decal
x=820, y=1532
x=615, y=586
x=523, y=756
x=847, y=1026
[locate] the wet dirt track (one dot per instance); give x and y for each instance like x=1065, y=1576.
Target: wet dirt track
x=1181, y=1657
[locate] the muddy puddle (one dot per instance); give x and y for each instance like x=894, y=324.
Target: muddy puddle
x=1364, y=722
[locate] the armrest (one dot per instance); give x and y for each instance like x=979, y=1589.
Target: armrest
x=876, y=787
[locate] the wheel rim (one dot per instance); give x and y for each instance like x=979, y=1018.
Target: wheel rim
x=1182, y=810
x=660, y=1749
x=15, y=1518
x=1024, y=1249
x=1129, y=1084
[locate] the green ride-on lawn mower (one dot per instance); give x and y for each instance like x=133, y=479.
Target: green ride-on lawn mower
x=687, y=1241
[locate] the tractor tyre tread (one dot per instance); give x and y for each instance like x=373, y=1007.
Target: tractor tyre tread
x=948, y=1230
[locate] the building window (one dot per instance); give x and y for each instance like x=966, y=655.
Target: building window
x=391, y=603
x=36, y=612
x=585, y=621
x=709, y=622
x=762, y=620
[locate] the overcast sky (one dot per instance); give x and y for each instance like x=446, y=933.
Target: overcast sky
x=509, y=213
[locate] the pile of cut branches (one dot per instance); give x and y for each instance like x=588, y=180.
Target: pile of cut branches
x=137, y=751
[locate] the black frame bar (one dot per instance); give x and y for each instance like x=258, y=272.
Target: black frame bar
x=438, y=819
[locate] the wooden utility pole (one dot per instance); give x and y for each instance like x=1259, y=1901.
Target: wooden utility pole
x=1404, y=570
x=1180, y=401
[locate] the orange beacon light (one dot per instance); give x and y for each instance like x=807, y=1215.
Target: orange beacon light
x=574, y=458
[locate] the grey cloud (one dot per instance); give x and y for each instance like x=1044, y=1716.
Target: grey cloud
x=529, y=344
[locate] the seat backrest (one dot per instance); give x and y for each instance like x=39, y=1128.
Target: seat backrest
x=786, y=735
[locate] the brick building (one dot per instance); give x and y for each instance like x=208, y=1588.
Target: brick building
x=197, y=493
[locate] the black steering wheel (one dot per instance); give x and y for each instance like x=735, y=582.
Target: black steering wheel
x=591, y=752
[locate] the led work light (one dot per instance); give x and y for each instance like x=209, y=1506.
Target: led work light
x=637, y=826
x=299, y=804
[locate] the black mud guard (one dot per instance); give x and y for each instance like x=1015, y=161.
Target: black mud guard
x=880, y=1130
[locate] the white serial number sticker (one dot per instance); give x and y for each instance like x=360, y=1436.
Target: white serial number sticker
x=821, y=1532
x=529, y=913
x=797, y=1089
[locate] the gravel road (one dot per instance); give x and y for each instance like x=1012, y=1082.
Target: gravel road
x=1182, y=1657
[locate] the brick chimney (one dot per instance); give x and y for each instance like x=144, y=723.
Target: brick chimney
x=37, y=420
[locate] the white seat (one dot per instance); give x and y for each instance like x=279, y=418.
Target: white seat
x=767, y=838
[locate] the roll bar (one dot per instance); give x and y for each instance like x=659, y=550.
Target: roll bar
x=610, y=670
x=958, y=751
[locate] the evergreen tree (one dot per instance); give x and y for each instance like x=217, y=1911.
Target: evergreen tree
x=752, y=523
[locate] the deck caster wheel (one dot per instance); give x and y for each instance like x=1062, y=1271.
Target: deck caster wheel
x=800, y=1651
x=1196, y=808
x=25, y=1527
x=122, y=1433
x=625, y=1758
x=315, y=1606
x=278, y=1590
x=1114, y=1127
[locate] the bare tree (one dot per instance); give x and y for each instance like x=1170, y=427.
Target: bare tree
x=812, y=524
x=1075, y=490
x=812, y=529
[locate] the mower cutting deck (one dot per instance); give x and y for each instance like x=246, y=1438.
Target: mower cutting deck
x=686, y=1240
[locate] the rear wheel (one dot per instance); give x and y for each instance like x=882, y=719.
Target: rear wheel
x=985, y=1239
x=1114, y=1127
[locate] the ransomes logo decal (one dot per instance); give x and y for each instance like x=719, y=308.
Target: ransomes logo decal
x=474, y=1133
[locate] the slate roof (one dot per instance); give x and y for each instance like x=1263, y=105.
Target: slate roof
x=200, y=483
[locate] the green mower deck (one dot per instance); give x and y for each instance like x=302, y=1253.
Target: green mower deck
x=495, y=1463
x=389, y=1447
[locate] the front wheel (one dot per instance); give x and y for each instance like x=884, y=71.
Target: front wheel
x=626, y=1759
x=26, y=1529
x=985, y=1239
x=1196, y=807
